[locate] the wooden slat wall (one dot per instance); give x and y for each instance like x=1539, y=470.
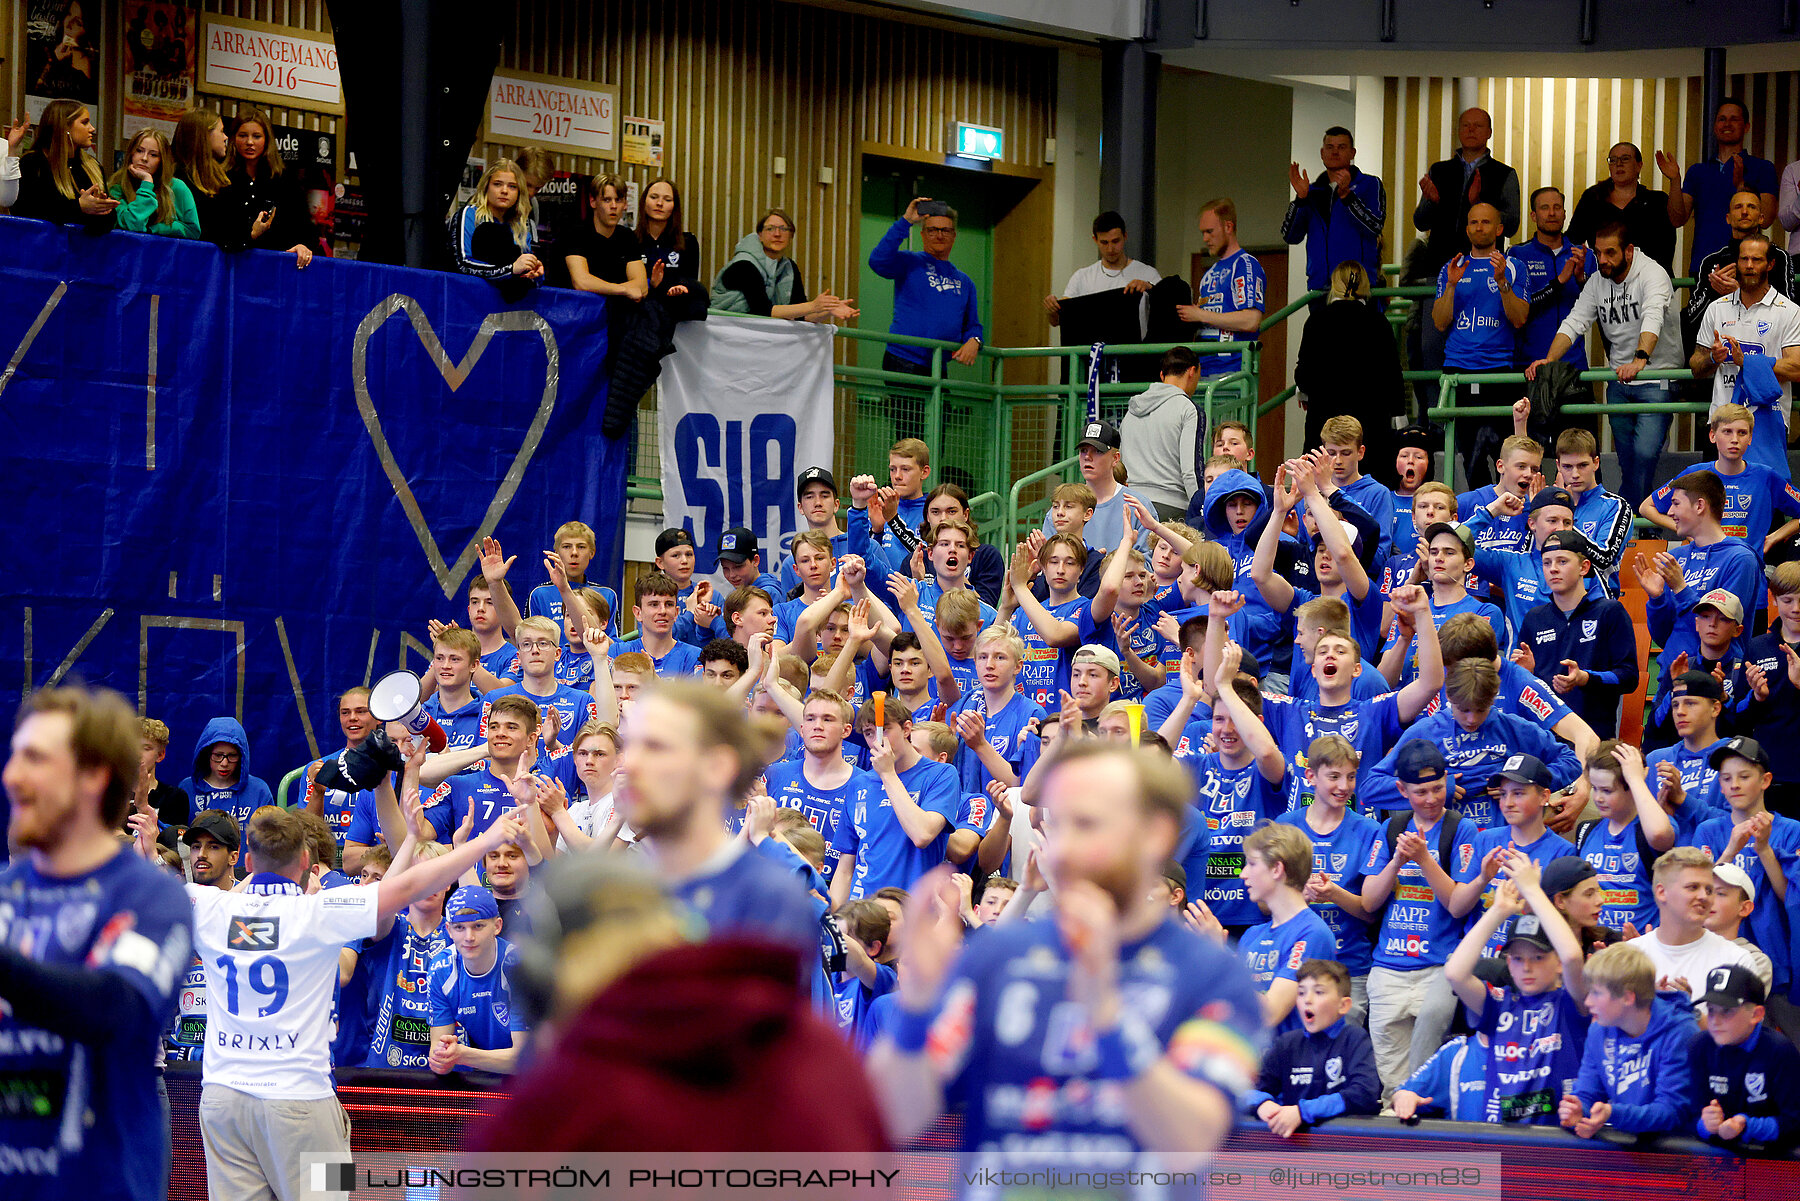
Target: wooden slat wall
x=1557, y=131
x=739, y=84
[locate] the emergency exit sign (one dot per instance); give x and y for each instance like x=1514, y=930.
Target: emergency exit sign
x=978, y=141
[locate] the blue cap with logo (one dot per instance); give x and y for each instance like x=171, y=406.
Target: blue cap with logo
x=1522, y=769
x=471, y=903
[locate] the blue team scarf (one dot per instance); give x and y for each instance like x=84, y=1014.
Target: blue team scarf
x=269, y=884
x=1096, y=353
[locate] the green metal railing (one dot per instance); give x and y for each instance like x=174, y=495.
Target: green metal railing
x=996, y=420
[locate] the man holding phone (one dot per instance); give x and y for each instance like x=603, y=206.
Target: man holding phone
x=932, y=299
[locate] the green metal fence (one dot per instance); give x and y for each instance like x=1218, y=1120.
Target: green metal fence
x=988, y=432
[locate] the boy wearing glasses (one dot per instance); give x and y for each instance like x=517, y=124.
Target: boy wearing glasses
x=222, y=778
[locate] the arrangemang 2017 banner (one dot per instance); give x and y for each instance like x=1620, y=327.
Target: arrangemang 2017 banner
x=238, y=488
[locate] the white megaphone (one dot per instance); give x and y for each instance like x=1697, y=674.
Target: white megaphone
x=395, y=697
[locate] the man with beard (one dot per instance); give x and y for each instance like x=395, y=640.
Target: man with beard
x=1716, y=276
x=689, y=752
x=334, y=804
x=1632, y=299
x=93, y=942
x=1034, y=1017
x=1754, y=322
x=214, y=838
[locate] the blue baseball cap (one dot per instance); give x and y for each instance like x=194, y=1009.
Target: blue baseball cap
x=471, y=903
x=1522, y=769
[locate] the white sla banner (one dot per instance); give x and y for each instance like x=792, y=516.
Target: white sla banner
x=269, y=63
x=746, y=406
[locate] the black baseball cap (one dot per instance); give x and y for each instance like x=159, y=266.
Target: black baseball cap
x=811, y=476
x=1570, y=540
x=1416, y=436
x=1697, y=683
x=1175, y=874
x=1732, y=985
x=1522, y=769
x=669, y=539
x=1738, y=748
x=1526, y=928
x=216, y=822
x=1547, y=497
x=1100, y=435
x=736, y=545
x=1565, y=872
x=1419, y=762
x=1461, y=533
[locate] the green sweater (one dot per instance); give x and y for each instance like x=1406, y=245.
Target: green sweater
x=136, y=215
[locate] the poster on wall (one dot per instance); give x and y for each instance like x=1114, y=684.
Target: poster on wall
x=312, y=154
x=350, y=213
x=538, y=110
x=62, y=54
x=270, y=64
x=558, y=207
x=643, y=142
x=159, y=62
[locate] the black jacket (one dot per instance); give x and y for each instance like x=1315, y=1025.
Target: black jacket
x=1759, y=1079
x=1325, y=1074
x=40, y=198
x=1349, y=363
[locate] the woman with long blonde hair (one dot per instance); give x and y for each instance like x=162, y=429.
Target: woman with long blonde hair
x=490, y=234
x=60, y=180
x=154, y=200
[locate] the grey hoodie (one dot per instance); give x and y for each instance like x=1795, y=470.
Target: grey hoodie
x=1157, y=443
x=778, y=276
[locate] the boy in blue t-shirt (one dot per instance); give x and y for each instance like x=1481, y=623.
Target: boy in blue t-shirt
x=1341, y=841
x=871, y=958
x=1753, y=494
x=822, y=782
x=1632, y=831
x=1342, y=438
x=567, y=566
x=900, y=831
x=655, y=605
x=1239, y=786
x=1278, y=862
x=1765, y=846
x=1050, y=630
x=474, y=1023
x=1410, y=1003
x=1536, y=1027
x=1523, y=783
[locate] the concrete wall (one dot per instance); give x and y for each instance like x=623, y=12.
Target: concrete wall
x=1219, y=136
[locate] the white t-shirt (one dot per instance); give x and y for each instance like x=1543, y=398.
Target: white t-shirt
x=1769, y=326
x=1690, y=961
x=590, y=814
x=271, y=970
x=1098, y=277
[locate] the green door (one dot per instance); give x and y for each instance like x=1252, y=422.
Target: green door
x=963, y=454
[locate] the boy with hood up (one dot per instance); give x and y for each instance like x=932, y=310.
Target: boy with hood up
x=221, y=778
x=1236, y=507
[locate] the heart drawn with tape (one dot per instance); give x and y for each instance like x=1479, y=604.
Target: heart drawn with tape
x=450, y=576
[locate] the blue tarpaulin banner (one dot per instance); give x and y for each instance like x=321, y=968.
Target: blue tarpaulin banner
x=238, y=488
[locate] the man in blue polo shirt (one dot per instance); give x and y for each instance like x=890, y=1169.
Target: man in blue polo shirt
x=1705, y=191
x=1478, y=308
x=1555, y=268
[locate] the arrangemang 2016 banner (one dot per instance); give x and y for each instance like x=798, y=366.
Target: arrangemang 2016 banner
x=238, y=488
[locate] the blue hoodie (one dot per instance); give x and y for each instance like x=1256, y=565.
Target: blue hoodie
x=1274, y=652
x=241, y=799
x=1647, y=1079
x=1473, y=760
x=1454, y=1081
